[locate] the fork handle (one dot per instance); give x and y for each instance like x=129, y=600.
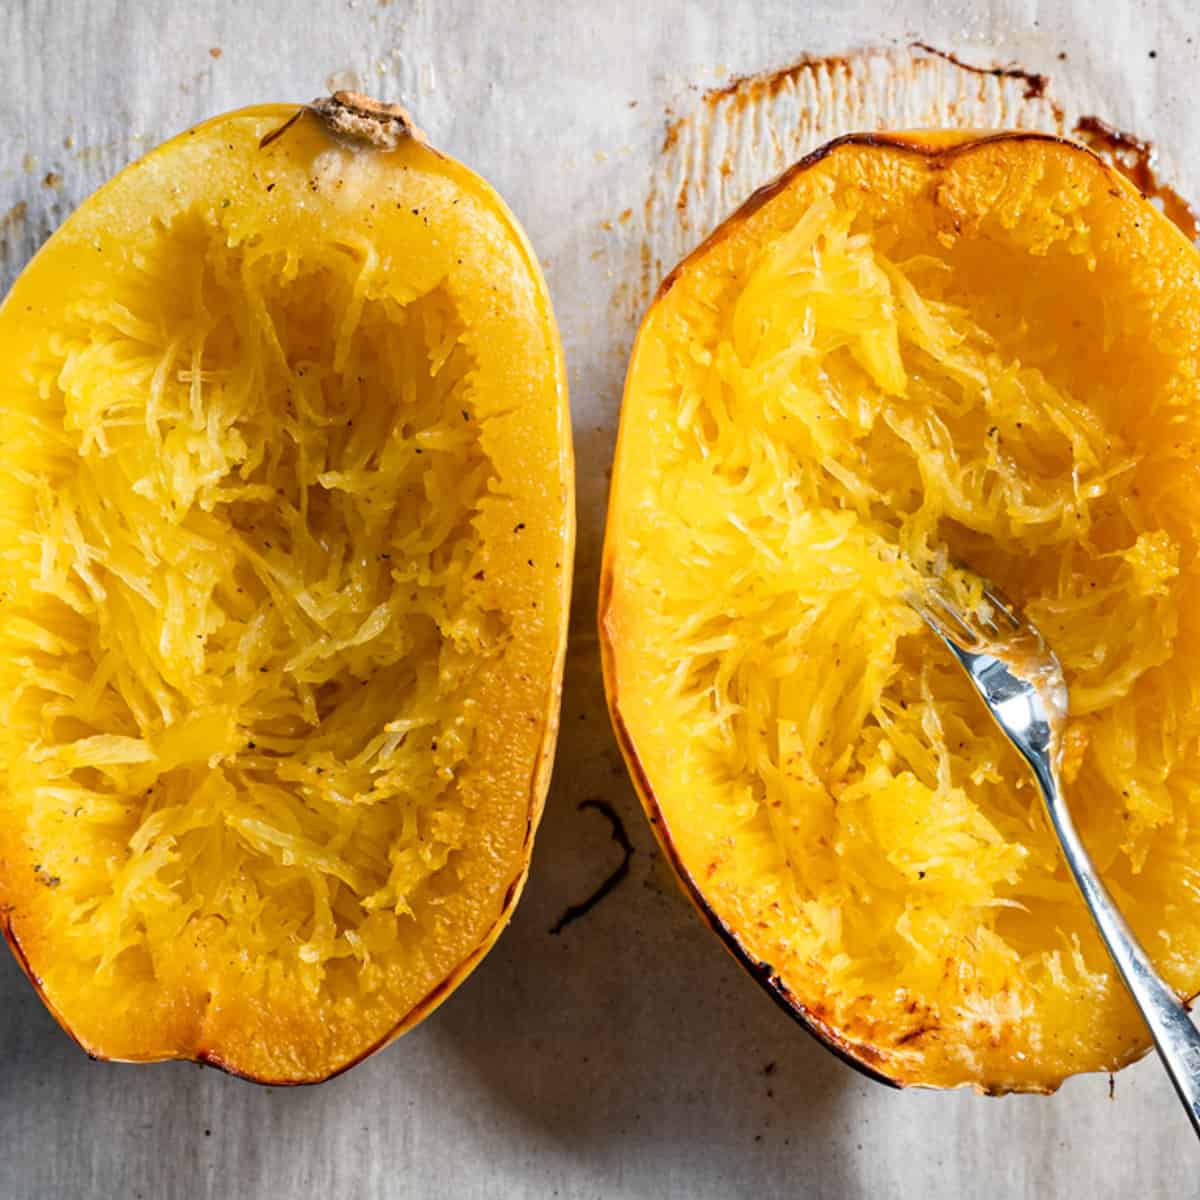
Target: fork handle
x=1175, y=1037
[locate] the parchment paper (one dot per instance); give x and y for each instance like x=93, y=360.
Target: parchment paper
x=627, y=1056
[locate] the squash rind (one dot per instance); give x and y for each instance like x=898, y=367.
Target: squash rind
x=556, y=492
x=932, y=148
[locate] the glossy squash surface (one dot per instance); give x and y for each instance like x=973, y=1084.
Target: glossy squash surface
x=912, y=351
x=286, y=528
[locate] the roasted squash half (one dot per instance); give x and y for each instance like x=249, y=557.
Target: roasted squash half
x=910, y=352
x=286, y=526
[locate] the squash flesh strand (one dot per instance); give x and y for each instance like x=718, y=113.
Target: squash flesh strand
x=252, y=555
x=839, y=419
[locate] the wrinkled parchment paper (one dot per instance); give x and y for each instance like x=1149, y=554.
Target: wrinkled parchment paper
x=626, y=1056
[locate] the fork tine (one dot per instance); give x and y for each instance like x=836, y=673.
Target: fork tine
x=952, y=611
x=983, y=614
x=996, y=662
x=937, y=611
x=994, y=622
x=1002, y=605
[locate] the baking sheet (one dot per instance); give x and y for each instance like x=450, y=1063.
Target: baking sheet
x=627, y=1055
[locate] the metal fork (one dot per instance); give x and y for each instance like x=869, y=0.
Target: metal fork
x=1021, y=682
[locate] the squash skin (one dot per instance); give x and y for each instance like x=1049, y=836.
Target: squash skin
x=555, y=491
x=933, y=148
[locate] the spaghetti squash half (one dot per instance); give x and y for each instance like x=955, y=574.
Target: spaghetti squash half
x=911, y=351
x=286, y=531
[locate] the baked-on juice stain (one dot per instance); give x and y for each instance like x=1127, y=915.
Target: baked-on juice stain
x=1131, y=155
x=575, y=911
x=1134, y=158
x=744, y=87
x=755, y=87
x=1035, y=83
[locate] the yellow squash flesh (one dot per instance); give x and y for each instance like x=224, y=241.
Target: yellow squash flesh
x=906, y=353
x=286, y=531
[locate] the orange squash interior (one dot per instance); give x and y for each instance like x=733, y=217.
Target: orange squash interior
x=910, y=352
x=286, y=528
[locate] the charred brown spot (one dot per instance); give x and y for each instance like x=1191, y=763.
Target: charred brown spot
x=1134, y=157
x=866, y=1053
x=511, y=891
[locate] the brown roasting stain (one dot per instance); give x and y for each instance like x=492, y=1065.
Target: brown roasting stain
x=11, y=222
x=733, y=138
x=14, y=217
x=745, y=89
x=1134, y=157
x=671, y=137
x=215, y=52
x=574, y=911
x=735, y=108
x=53, y=181
x=1035, y=82
x=913, y=1034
